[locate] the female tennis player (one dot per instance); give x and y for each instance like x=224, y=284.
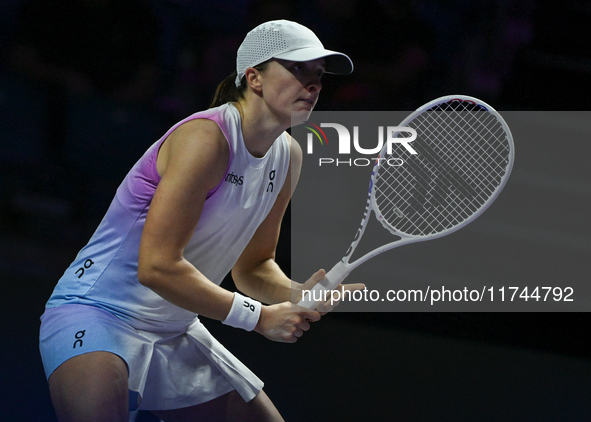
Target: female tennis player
x=120, y=331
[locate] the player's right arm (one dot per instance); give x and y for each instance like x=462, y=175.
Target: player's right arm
x=191, y=162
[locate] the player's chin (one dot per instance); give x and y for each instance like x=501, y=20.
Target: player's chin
x=301, y=112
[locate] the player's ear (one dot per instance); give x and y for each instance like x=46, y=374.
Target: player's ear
x=253, y=78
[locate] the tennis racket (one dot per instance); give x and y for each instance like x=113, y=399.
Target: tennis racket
x=446, y=177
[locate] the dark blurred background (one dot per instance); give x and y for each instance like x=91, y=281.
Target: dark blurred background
x=87, y=85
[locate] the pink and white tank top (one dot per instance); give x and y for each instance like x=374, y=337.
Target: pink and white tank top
x=104, y=274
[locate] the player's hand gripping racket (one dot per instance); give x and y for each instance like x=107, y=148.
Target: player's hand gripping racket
x=455, y=168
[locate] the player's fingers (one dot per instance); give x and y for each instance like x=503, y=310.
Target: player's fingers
x=328, y=306
x=353, y=287
x=318, y=275
x=314, y=279
x=292, y=335
x=304, y=325
x=311, y=316
x=336, y=296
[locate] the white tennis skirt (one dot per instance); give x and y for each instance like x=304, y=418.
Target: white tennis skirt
x=168, y=370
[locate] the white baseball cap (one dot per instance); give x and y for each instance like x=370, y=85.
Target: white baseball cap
x=287, y=40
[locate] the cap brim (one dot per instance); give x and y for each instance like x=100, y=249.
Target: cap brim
x=336, y=63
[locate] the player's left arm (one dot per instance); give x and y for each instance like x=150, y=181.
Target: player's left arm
x=256, y=273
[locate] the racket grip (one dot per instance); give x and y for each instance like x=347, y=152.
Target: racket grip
x=330, y=281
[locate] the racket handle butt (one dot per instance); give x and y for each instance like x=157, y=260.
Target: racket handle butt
x=330, y=281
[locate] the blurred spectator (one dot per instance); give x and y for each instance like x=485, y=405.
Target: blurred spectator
x=86, y=47
x=214, y=16
x=475, y=42
x=551, y=72
x=8, y=17
x=208, y=50
x=260, y=11
x=105, y=46
x=389, y=44
x=506, y=27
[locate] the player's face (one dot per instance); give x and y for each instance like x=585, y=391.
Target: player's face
x=293, y=87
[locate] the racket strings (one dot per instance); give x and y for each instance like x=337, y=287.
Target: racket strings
x=473, y=174
x=453, y=177
x=463, y=155
x=455, y=152
x=433, y=162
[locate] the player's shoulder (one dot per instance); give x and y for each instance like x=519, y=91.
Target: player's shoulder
x=295, y=149
x=200, y=133
x=201, y=127
x=194, y=141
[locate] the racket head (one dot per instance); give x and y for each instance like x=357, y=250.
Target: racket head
x=464, y=154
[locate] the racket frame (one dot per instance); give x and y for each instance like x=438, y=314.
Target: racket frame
x=341, y=270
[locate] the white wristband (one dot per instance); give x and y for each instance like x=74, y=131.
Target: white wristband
x=244, y=314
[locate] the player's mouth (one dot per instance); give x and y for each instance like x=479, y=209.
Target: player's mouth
x=310, y=101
